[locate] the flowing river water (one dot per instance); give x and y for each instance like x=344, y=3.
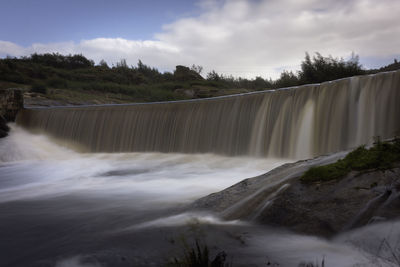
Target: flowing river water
x=59, y=207
x=109, y=185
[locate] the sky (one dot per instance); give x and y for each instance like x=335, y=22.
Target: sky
x=246, y=38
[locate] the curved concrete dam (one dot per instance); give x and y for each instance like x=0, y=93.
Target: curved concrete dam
x=296, y=122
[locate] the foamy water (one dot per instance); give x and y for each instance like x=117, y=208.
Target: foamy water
x=66, y=208
x=32, y=166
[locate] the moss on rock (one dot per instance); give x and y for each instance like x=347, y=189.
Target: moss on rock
x=380, y=156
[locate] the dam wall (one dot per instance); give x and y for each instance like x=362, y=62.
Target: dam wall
x=296, y=122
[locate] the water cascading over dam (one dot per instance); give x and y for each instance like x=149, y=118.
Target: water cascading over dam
x=295, y=122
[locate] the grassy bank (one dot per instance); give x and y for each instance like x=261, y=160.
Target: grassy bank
x=381, y=156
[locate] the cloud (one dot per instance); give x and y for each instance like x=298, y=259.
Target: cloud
x=155, y=53
x=252, y=37
x=10, y=48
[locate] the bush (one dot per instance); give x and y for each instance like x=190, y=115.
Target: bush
x=39, y=88
x=57, y=83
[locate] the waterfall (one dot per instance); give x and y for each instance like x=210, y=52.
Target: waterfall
x=297, y=122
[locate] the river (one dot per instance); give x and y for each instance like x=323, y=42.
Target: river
x=60, y=207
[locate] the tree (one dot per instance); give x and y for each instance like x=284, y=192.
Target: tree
x=103, y=64
x=259, y=83
x=197, y=68
x=213, y=76
x=287, y=79
x=122, y=64
x=320, y=68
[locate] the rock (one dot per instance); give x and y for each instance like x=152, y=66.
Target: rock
x=3, y=124
x=251, y=192
x=11, y=101
x=329, y=208
x=190, y=93
x=204, y=94
x=279, y=199
x=183, y=73
x=3, y=134
x=3, y=127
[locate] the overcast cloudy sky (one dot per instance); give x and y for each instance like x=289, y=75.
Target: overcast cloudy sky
x=238, y=37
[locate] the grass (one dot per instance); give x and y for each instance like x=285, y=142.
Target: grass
x=82, y=96
x=199, y=256
x=380, y=156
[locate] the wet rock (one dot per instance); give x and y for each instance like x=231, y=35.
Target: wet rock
x=3, y=127
x=3, y=124
x=279, y=199
x=329, y=208
x=11, y=101
x=3, y=134
x=240, y=201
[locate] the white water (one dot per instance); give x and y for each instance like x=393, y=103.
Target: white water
x=297, y=123
x=51, y=181
x=32, y=166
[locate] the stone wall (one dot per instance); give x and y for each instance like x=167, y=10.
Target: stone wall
x=11, y=101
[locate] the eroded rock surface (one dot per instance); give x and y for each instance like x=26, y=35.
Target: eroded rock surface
x=329, y=208
x=278, y=198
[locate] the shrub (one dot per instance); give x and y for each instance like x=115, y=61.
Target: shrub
x=57, y=83
x=39, y=88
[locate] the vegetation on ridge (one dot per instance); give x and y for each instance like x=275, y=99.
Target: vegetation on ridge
x=57, y=76
x=380, y=156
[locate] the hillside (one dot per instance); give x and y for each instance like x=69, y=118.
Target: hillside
x=54, y=79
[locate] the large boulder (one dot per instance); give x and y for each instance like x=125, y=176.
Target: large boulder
x=183, y=73
x=329, y=208
x=11, y=101
x=278, y=198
